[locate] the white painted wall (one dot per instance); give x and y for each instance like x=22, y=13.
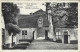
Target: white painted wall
x=2, y=22
x=2, y=26
x=29, y=33
x=73, y=32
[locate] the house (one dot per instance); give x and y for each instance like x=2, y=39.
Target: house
x=67, y=34
x=36, y=26
x=29, y=29
x=7, y=39
x=5, y=34
x=2, y=30
x=39, y=27
x=33, y=27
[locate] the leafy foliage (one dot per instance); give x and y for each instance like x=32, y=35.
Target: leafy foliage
x=12, y=28
x=10, y=12
x=64, y=17
x=73, y=14
x=60, y=17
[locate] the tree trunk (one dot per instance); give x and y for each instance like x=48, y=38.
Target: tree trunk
x=51, y=28
x=54, y=34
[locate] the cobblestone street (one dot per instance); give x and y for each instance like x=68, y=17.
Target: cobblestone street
x=47, y=45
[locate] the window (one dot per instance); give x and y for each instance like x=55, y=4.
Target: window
x=24, y=32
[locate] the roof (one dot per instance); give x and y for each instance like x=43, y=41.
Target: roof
x=26, y=21
x=39, y=12
x=30, y=21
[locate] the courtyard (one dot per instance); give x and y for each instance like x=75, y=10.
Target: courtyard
x=48, y=45
x=44, y=45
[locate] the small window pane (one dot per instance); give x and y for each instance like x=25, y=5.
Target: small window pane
x=22, y=32
x=25, y=32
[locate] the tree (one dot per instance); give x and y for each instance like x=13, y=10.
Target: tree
x=12, y=28
x=10, y=12
x=60, y=16
x=63, y=15
x=73, y=14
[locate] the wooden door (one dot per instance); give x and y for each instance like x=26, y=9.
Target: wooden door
x=46, y=34
x=66, y=37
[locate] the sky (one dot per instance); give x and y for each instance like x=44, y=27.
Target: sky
x=27, y=8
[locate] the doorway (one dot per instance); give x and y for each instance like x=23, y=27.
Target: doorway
x=40, y=34
x=66, y=37
x=33, y=34
x=46, y=34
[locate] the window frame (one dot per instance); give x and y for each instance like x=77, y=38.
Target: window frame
x=24, y=32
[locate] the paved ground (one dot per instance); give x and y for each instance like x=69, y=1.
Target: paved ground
x=44, y=45
x=47, y=45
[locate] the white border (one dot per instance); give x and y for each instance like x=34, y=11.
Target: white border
x=24, y=1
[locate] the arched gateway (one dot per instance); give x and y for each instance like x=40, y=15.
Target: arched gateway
x=42, y=30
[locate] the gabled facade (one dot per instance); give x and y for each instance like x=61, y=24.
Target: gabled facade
x=33, y=26
x=38, y=27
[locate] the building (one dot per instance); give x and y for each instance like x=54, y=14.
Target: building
x=39, y=27
x=2, y=30
x=67, y=35
x=33, y=26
